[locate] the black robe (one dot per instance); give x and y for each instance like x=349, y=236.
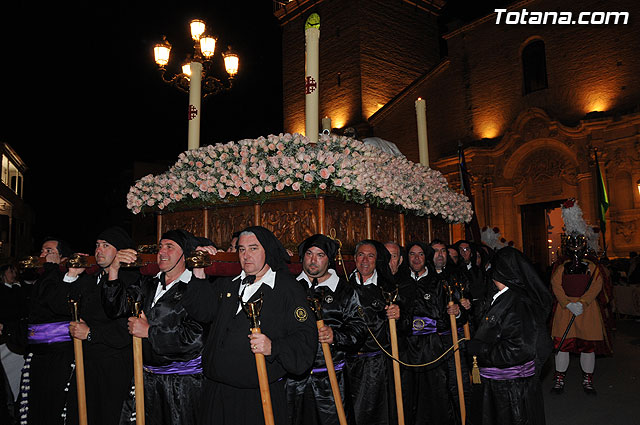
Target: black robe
x=174, y=336
x=424, y=389
x=231, y=392
x=445, y=280
x=508, y=336
x=48, y=370
x=369, y=369
x=108, y=360
x=309, y=395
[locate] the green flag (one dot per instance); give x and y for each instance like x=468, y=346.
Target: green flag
x=603, y=199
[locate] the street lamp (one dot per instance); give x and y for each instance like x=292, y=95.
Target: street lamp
x=197, y=77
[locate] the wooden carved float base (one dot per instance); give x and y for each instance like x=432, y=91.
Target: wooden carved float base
x=293, y=219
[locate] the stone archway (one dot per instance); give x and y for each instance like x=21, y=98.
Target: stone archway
x=542, y=170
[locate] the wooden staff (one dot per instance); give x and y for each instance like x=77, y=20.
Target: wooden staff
x=456, y=356
x=328, y=360
x=390, y=298
x=77, y=350
x=252, y=309
x=138, y=376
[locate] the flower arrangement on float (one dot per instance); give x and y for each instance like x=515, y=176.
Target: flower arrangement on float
x=289, y=163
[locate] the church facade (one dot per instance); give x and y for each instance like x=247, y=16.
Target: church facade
x=530, y=104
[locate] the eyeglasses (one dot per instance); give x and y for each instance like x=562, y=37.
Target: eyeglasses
x=465, y=249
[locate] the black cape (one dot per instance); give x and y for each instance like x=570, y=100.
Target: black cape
x=231, y=392
x=309, y=396
x=174, y=336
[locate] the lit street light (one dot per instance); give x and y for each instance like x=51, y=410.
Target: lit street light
x=197, y=74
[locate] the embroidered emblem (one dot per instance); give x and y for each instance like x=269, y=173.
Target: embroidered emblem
x=301, y=314
x=418, y=324
x=427, y=297
x=328, y=299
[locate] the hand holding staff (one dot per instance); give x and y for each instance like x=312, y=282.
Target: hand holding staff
x=393, y=313
x=252, y=309
x=77, y=350
x=138, y=376
x=456, y=354
x=316, y=306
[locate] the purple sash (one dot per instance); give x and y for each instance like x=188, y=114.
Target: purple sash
x=423, y=325
x=367, y=355
x=48, y=333
x=190, y=367
x=337, y=366
x=448, y=332
x=521, y=371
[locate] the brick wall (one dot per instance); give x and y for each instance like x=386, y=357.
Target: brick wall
x=369, y=51
x=589, y=67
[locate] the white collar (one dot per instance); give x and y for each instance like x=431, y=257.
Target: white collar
x=184, y=277
x=373, y=280
x=331, y=282
x=502, y=291
x=160, y=291
x=11, y=285
x=417, y=276
x=269, y=278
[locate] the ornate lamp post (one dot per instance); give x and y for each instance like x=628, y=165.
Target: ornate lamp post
x=197, y=74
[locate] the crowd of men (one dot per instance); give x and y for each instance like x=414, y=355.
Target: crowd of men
x=199, y=353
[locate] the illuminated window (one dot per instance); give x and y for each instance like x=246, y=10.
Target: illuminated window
x=534, y=67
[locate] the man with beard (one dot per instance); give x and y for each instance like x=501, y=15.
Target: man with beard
x=369, y=370
x=172, y=339
x=106, y=342
x=452, y=283
x=309, y=396
x=289, y=338
x=48, y=369
x=425, y=388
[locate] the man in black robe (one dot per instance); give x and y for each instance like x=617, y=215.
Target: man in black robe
x=106, y=342
x=309, y=395
x=172, y=339
x=369, y=369
x=425, y=388
x=451, y=281
x=478, y=289
x=288, y=338
x=513, y=342
x=48, y=370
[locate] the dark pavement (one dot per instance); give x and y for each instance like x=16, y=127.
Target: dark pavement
x=616, y=379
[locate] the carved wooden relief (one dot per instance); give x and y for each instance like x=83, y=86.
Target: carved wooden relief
x=417, y=229
x=385, y=225
x=291, y=221
x=224, y=221
x=440, y=229
x=191, y=221
x=348, y=219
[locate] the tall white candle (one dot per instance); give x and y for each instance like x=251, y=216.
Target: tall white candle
x=423, y=143
x=195, y=99
x=312, y=72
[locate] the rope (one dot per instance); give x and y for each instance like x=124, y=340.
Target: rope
x=407, y=364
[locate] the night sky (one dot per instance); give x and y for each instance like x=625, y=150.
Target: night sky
x=83, y=99
x=90, y=102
